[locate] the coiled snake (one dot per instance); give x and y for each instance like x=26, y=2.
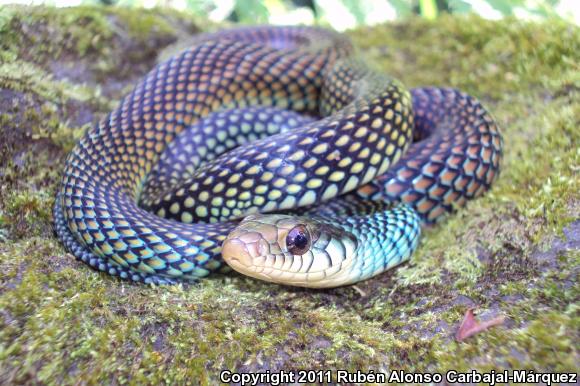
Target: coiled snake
x=270, y=119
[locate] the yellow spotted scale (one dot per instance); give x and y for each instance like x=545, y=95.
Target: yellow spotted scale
x=269, y=119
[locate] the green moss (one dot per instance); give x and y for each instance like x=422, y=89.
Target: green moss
x=485, y=57
x=546, y=344
x=61, y=321
x=24, y=76
x=88, y=39
x=80, y=29
x=28, y=214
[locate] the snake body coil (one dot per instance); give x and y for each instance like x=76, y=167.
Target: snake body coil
x=214, y=134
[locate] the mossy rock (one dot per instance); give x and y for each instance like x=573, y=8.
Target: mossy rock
x=513, y=253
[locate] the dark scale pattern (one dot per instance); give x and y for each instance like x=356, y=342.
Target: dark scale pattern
x=311, y=164
x=371, y=125
x=456, y=156
x=207, y=139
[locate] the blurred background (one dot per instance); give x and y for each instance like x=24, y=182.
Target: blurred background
x=344, y=14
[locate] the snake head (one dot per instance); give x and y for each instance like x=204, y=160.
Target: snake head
x=291, y=250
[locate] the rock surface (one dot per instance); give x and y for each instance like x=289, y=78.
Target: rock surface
x=513, y=253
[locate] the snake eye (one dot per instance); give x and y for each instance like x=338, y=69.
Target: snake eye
x=298, y=240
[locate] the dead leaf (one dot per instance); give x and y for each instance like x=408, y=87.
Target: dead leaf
x=471, y=326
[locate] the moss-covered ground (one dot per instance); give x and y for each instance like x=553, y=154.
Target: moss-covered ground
x=515, y=252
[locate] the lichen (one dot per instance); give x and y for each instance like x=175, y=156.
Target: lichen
x=513, y=252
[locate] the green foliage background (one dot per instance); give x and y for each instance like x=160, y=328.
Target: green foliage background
x=353, y=13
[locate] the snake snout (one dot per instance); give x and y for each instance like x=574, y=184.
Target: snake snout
x=236, y=252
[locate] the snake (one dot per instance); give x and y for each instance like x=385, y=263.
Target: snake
x=276, y=152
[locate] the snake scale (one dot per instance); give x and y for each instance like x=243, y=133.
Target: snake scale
x=270, y=119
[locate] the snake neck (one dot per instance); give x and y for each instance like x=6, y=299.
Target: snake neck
x=384, y=240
